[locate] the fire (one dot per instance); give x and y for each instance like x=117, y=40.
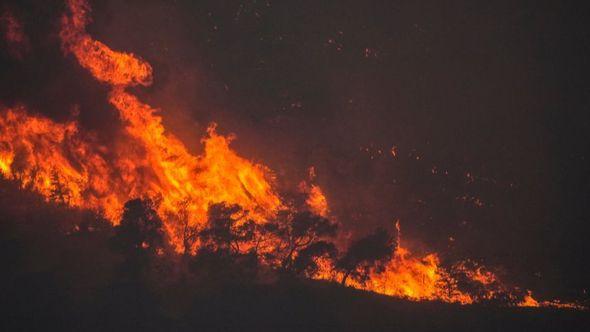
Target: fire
x=414, y=277
x=529, y=301
x=220, y=175
x=317, y=201
x=67, y=165
x=57, y=159
x=423, y=277
x=106, y=65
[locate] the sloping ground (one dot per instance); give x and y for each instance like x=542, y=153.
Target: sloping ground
x=35, y=304
x=55, y=278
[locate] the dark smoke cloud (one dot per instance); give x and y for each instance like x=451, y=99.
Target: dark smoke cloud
x=485, y=103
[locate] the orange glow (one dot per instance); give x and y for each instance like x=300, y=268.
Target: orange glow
x=529, y=301
x=414, y=277
x=42, y=154
x=53, y=158
x=317, y=201
x=71, y=167
x=106, y=65
x=418, y=278
x=220, y=175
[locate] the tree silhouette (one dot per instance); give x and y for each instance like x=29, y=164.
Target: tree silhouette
x=306, y=262
x=59, y=192
x=300, y=231
x=183, y=228
x=364, y=254
x=140, y=230
x=227, y=231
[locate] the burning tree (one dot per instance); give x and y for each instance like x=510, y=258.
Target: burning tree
x=59, y=193
x=306, y=262
x=227, y=232
x=365, y=254
x=140, y=230
x=183, y=229
x=64, y=165
x=227, y=251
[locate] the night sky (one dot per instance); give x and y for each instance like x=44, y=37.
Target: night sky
x=485, y=105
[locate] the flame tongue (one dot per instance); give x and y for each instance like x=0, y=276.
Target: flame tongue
x=219, y=175
x=106, y=65
x=55, y=159
x=61, y=163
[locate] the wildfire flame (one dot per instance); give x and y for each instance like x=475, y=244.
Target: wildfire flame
x=416, y=278
x=58, y=160
x=64, y=164
x=409, y=276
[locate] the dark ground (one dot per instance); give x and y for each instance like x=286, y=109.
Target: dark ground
x=55, y=278
x=279, y=307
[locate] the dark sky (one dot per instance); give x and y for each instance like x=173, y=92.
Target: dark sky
x=486, y=103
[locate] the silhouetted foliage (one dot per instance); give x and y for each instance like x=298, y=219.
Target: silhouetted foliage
x=226, y=231
x=306, y=261
x=226, y=253
x=297, y=232
x=183, y=228
x=59, y=192
x=140, y=229
x=366, y=253
x=58, y=276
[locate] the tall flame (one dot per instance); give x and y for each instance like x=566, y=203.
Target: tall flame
x=62, y=163
x=55, y=158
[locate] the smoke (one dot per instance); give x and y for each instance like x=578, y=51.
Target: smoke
x=474, y=99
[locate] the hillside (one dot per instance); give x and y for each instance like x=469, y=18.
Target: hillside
x=61, y=273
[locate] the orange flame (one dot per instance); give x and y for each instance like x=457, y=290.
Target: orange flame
x=419, y=278
x=317, y=201
x=529, y=301
x=416, y=278
x=63, y=164
x=41, y=153
x=413, y=277
x=55, y=158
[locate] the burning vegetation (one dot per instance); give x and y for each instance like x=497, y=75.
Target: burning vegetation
x=216, y=207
